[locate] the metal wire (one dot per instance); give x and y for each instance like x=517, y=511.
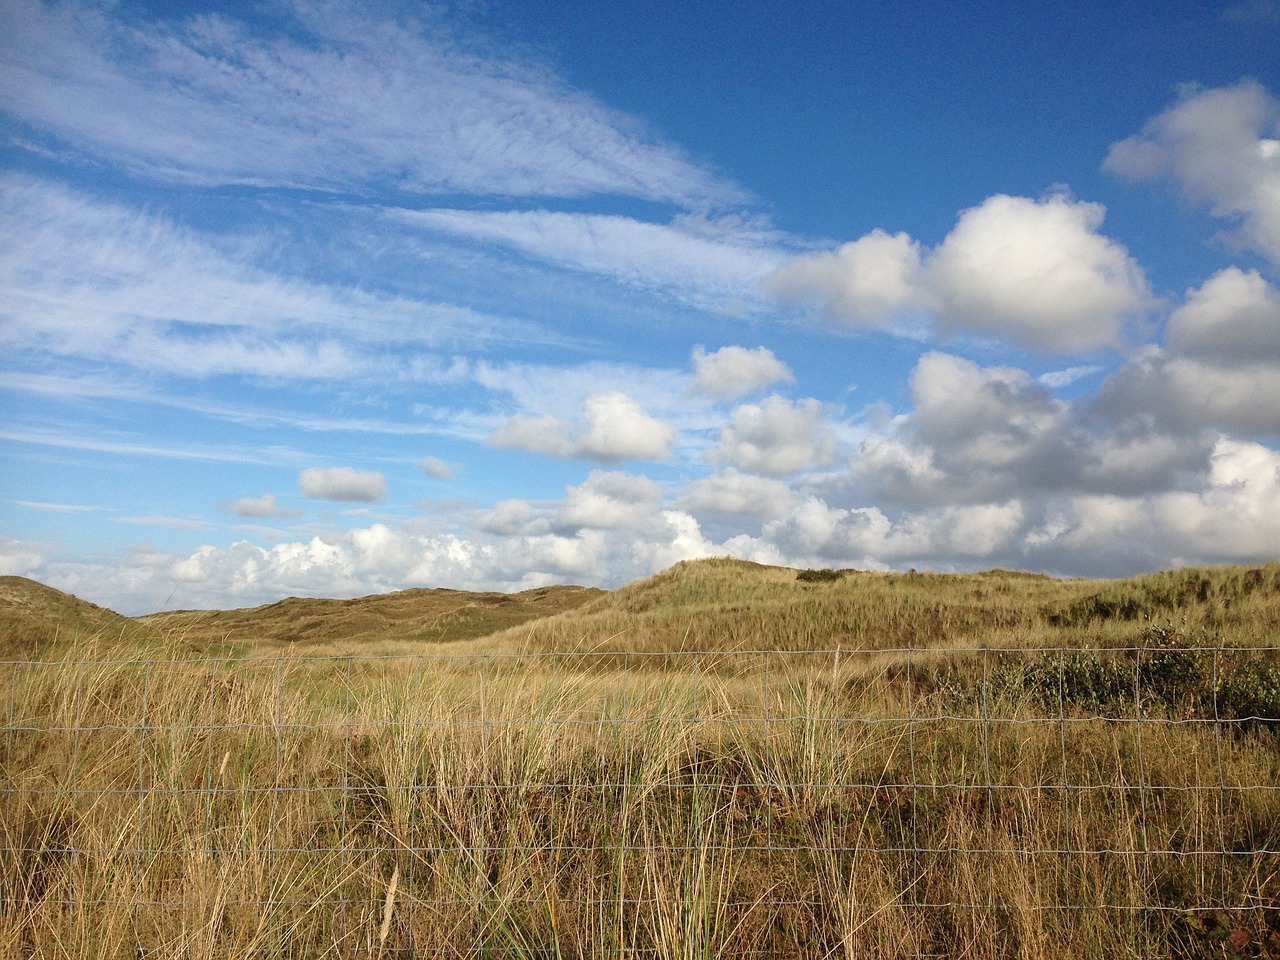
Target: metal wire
x=904, y=792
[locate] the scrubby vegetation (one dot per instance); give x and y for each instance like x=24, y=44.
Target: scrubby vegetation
x=722, y=760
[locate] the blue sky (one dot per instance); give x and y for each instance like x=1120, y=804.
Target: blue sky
x=307, y=298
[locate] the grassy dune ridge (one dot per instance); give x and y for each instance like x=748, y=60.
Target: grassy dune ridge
x=722, y=760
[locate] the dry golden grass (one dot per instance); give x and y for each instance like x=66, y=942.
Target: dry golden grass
x=614, y=781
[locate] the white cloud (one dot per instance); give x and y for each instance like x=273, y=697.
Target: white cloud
x=561, y=390
x=513, y=517
x=365, y=560
x=1056, y=379
x=734, y=371
x=172, y=523
x=679, y=539
x=18, y=559
x=612, y=501
x=545, y=434
x=55, y=507
x=435, y=468
x=816, y=533
x=612, y=428
x=776, y=437
x=992, y=434
x=871, y=281
x=1222, y=147
x=342, y=483
x=615, y=427
x=1037, y=272
x=100, y=281
x=265, y=506
x=1232, y=517
x=687, y=259
x=335, y=100
x=616, y=527
x=730, y=492
x=1220, y=365
x=1232, y=320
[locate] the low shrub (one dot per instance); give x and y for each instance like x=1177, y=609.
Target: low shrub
x=1166, y=672
x=818, y=576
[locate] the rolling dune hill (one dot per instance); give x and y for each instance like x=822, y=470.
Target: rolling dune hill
x=36, y=619
x=717, y=604
x=406, y=617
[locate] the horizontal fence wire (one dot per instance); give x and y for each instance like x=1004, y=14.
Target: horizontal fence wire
x=611, y=803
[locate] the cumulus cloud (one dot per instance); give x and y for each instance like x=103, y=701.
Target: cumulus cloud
x=1231, y=516
x=1222, y=148
x=733, y=493
x=435, y=468
x=612, y=428
x=1232, y=321
x=19, y=559
x=265, y=506
x=1226, y=512
x=612, y=501
x=615, y=527
x=869, y=282
x=776, y=437
x=366, y=560
x=817, y=533
x=734, y=371
x=513, y=517
x=1218, y=368
x=990, y=434
x=1037, y=272
x=342, y=483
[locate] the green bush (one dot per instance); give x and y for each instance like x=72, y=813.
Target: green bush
x=1167, y=673
x=818, y=576
x=1249, y=689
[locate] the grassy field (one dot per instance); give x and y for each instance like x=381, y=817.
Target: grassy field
x=723, y=760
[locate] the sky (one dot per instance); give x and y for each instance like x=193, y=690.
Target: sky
x=308, y=298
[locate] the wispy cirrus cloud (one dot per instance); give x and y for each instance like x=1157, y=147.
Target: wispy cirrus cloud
x=171, y=523
x=57, y=507
x=337, y=101
x=714, y=264
x=97, y=280
x=131, y=445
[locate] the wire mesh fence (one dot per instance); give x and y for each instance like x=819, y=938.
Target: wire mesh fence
x=895, y=802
